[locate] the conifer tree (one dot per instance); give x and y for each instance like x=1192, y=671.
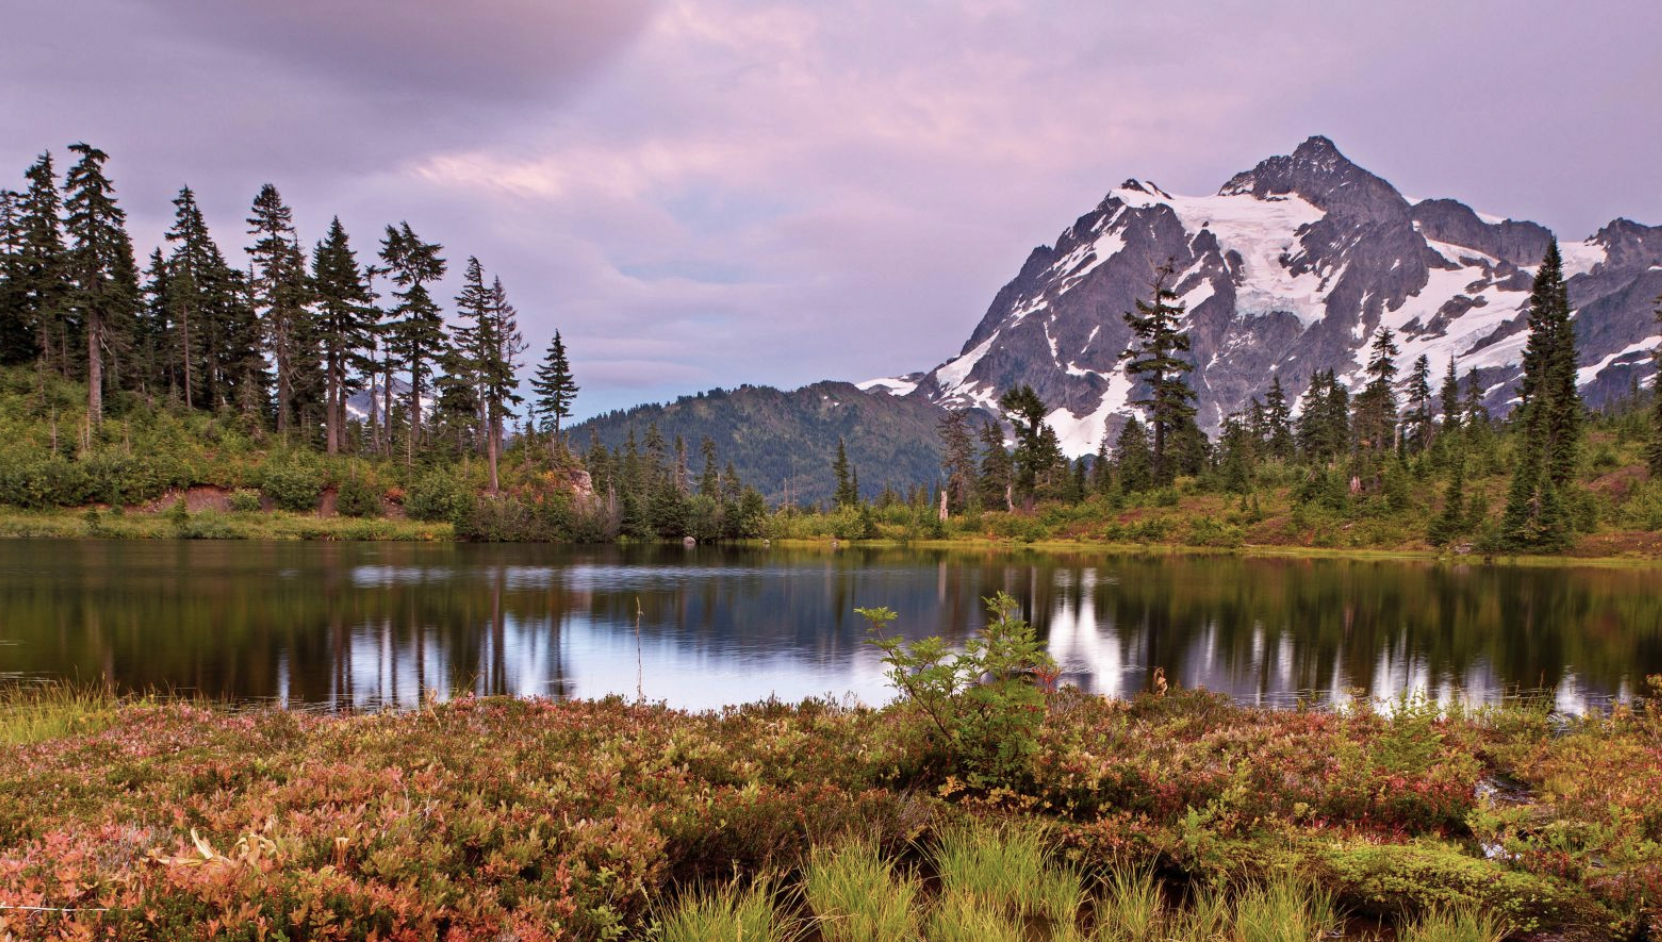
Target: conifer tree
x=1419, y=405
x=500, y=348
x=1133, y=462
x=1450, y=398
x=957, y=459
x=847, y=493
x=213, y=352
x=343, y=325
x=1155, y=360
x=281, y=294
x=709, y=480
x=554, y=386
x=415, y=332
x=1476, y=413
x=1038, y=453
x=1278, y=426
x=1550, y=417
x=103, y=276
x=17, y=343
x=43, y=269
x=1655, y=453
x=997, y=483
x=1375, y=407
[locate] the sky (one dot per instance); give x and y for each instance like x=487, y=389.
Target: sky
x=703, y=193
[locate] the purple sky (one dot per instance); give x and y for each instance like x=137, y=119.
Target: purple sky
x=710, y=192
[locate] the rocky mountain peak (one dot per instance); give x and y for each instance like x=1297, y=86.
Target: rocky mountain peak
x=1323, y=176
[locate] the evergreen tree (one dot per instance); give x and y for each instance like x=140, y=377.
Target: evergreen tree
x=1550, y=417
x=500, y=346
x=1278, y=425
x=1375, y=408
x=1132, y=459
x=17, y=342
x=43, y=265
x=1239, y=447
x=709, y=481
x=1038, y=453
x=1477, y=415
x=847, y=493
x=1419, y=405
x=1450, y=397
x=1155, y=360
x=957, y=459
x=343, y=326
x=212, y=353
x=1452, y=521
x=415, y=332
x=1655, y=453
x=281, y=294
x=554, y=386
x=997, y=479
x=103, y=275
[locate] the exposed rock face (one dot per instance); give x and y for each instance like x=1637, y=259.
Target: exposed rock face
x=1291, y=268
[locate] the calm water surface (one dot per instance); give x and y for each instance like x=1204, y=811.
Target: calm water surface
x=368, y=624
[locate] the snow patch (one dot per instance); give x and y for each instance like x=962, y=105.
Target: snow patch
x=951, y=374
x=1082, y=434
x=1581, y=257
x=1262, y=232
x=1587, y=374
x=888, y=384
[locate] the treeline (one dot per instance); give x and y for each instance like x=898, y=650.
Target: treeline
x=1334, y=449
x=280, y=346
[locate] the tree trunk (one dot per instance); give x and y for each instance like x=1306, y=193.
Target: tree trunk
x=492, y=432
x=332, y=409
x=95, y=369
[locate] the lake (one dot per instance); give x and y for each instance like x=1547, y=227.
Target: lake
x=363, y=625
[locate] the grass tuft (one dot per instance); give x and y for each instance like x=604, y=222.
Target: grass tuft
x=729, y=914
x=1005, y=870
x=31, y=713
x=859, y=897
x=1462, y=924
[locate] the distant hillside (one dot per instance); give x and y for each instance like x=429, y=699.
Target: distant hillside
x=781, y=441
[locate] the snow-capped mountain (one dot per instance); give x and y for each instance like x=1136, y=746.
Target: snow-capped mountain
x=1290, y=268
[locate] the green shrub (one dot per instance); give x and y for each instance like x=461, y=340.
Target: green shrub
x=982, y=705
x=293, y=484
x=358, y=496
x=439, y=496
x=244, y=500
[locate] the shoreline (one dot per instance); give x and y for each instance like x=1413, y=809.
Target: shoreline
x=102, y=523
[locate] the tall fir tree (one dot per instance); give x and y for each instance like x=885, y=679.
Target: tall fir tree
x=1156, y=360
x=997, y=481
x=415, y=331
x=957, y=459
x=1655, y=453
x=342, y=325
x=555, y=387
x=1038, y=457
x=847, y=493
x=281, y=295
x=43, y=268
x=500, y=347
x=1374, y=409
x=17, y=339
x=213, y=351
x=1549, y=415
x=1133, y=460
x=1449, y=396
x=1420, y=428
x=1278, y=422
x=102, y=273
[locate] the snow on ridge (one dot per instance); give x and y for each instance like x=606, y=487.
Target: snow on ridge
x=1081, y=434
x=1581, y=257
x=889, y=384
x=1263, y=232
x=1587, y=374
x=951, y=374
